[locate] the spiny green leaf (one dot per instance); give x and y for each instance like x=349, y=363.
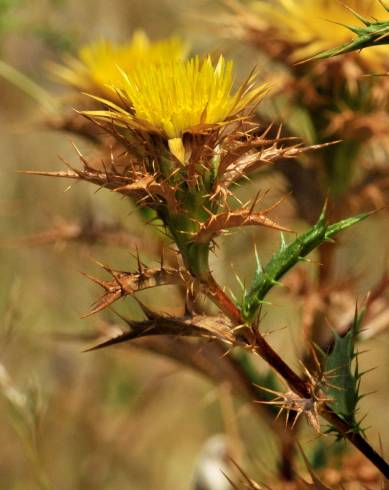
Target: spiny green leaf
x=373, y=34
x=335, y=228
x=341, y=368
x=288, y=256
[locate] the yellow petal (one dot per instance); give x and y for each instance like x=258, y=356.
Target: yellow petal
x=177, y=148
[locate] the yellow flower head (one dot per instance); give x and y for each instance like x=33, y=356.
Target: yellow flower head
x=314, y=24
x=98, y=64
x=175, y=97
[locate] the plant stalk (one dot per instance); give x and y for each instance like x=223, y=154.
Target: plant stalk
x=250, y=337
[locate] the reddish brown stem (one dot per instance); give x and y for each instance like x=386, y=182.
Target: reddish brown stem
x=219, y=297
x=253, y=339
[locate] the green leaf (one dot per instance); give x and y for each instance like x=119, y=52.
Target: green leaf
x=288, y=256
x=336, y=228
x=372, y=34
x=343, y=377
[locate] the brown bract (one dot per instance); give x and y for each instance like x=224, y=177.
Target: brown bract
x=140, y=166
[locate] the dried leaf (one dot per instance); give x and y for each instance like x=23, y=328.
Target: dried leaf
x=196, y=326
x=127, y=283
x=234, y=219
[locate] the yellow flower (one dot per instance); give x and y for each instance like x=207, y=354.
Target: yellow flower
x=314, y=24
x=176, y=97
x=98, y=64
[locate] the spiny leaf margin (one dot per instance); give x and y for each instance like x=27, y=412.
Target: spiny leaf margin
x=288, y=256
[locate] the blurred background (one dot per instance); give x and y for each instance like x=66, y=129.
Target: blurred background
x=119, y=418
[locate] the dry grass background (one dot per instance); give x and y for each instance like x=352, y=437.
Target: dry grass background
x=119, y=418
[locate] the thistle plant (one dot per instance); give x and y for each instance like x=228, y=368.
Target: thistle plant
x=177, y=140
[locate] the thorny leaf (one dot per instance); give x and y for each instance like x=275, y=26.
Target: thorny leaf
x=371, y=34
x=234, y=219
x=217, y=327
x=238, y=163
x=344, y=385
x=127, y=283
x=144, y=189
x=288, y=256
